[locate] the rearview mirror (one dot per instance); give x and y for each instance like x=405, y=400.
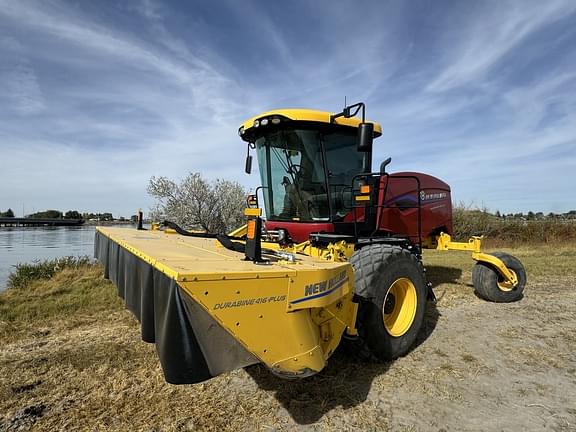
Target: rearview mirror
x=248, y=167
x=365, y=137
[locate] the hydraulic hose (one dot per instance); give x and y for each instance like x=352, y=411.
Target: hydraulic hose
x=224, y=240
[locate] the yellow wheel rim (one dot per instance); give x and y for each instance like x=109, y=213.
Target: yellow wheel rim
x=505, y=285
x=399, y=307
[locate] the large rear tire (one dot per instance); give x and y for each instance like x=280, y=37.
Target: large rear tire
x=490, y=285
x=392, y=291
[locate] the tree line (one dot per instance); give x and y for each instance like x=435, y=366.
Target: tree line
x=57, y=214
x=537, y=215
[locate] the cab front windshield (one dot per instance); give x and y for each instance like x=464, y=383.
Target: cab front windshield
x=307, y=174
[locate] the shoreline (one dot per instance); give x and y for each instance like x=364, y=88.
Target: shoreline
x=72, y=357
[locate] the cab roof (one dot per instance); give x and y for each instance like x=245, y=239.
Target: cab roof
x=306, y=115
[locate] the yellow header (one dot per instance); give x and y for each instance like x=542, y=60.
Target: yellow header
x=307, y=115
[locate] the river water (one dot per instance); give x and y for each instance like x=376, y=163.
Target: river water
x=26, y=245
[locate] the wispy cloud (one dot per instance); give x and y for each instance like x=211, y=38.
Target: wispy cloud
x=96, y=98
x=489, y=39
x=185, y=70
x=19, y=89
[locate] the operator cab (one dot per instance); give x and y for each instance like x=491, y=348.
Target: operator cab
x=308, y=160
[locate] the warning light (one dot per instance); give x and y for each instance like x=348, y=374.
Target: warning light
x=251, y=229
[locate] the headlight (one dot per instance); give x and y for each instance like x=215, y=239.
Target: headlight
x=264, y=122
x=256, y=123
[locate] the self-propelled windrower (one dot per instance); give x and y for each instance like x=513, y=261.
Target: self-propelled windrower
x=337, y=257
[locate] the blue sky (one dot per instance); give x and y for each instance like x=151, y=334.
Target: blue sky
x=97, y=97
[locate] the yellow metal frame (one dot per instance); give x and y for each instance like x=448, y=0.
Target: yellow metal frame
x=290, y=315
x=239, y=232
x=311, y=116
x=474, y=245
x=335, y=252
x=311, y=306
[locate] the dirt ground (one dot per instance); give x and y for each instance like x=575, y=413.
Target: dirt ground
x=478, y=366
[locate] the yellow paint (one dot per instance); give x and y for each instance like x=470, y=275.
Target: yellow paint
x=252, y=212
x=239, y=232
x=403, y=301
x=445, y=243
x=507, y=285
x=311, y=116
x=290, y=315
x=272, y=310
x=340, y=251
x=508, y=275
x=362, y=197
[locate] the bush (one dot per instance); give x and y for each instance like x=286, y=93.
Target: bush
x=511, y=231
x=215, y=207
x=28, y=272
x=48, y=214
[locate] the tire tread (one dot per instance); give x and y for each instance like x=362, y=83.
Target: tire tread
x=368, y=263
x=484, y=279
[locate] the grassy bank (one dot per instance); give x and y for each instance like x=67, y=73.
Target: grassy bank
x=512, y=231
x=72, y=359
x=47, y=292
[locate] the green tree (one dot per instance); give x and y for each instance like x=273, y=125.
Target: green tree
x=48, y=214
x=72, y=214
x=8, y=213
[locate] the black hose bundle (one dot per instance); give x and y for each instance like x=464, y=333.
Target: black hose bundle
x=224, y=240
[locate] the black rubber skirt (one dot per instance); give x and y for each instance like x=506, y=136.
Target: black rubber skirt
x=191, y=345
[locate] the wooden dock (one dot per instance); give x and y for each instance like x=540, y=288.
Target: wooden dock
x=31, y=222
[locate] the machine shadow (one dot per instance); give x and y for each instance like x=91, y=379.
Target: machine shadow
x=345, y=382
x=437, y=275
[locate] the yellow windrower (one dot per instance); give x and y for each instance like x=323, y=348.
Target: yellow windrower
x=214, y=303
x=289, y=315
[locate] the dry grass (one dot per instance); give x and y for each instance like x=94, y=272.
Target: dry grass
x=511, y=232
x=73, y=294
x=72, y=359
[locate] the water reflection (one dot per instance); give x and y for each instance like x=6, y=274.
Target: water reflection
x=18, y=245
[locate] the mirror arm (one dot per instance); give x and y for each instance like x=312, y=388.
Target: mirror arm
x=347, y=112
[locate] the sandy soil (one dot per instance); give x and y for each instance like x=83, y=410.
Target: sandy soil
x=477, y=366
